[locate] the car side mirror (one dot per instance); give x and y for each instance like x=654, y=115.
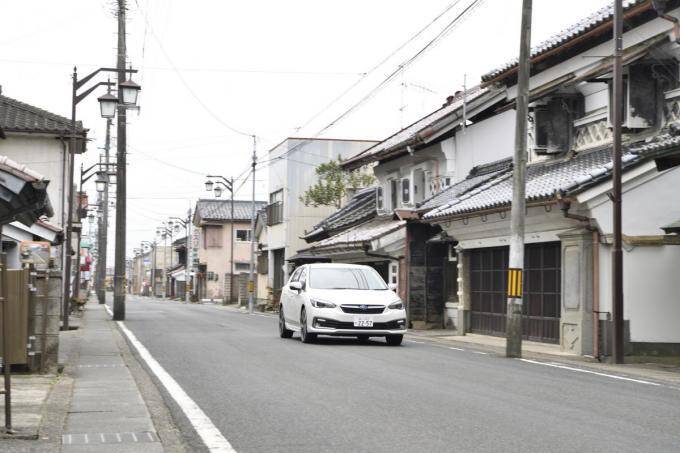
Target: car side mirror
x=295, y=286
x=392, y=287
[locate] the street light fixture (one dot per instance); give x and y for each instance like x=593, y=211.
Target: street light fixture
x=130, y=91
x=218, y=191
x=100, y=182
x=90, y=218
x=108, y=104
x=209, y=186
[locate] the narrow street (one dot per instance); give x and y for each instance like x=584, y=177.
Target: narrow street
x=264, y=393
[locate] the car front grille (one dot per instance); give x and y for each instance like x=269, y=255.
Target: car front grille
x=333, y=324
x=362, y=309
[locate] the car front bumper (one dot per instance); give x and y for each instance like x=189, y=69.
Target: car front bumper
x=336, y=322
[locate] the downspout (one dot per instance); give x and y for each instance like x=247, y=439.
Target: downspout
x=596, y=294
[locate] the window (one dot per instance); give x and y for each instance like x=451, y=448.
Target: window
x=394, y=190
x=242, y=235
x=405, y=191
x=212, y=236
x=394, y=274
x=275, y=208
x=296, y=274
x=380, y=198
x=345, y=278
x=240, y=267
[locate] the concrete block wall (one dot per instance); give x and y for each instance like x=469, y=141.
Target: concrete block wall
x=44, y=321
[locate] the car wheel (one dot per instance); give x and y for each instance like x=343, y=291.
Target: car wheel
x=362, y=338
x=283, y=331
x=394, y=340
x=305, y=336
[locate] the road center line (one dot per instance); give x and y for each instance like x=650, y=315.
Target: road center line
x=211, y=436
x=581, y=370
x=456, y=349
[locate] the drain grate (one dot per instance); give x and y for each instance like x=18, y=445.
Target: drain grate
x=109, y=438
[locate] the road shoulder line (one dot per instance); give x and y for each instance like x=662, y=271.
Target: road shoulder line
x=208, y=432
x=597, y=373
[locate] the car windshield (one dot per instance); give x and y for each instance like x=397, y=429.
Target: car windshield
x=345, y=278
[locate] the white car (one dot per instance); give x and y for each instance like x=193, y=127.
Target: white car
x=340, y=299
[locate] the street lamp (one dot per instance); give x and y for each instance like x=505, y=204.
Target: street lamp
x=217, y=187
x=105, y=105
x=130, y=91
x=186, y=224
x=100, y=182
x=90, y=218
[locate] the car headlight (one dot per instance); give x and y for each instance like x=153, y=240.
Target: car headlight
x=396, y=305
x=321, y=303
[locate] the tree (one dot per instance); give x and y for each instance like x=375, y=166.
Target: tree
x=332, y=184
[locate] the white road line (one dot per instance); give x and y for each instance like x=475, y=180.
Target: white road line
x=456, y=349
x=211, y=436
x=108, y=310
x=480, y=352
x=581, y=370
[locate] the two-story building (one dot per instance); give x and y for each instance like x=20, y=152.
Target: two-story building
x=292, y=171
x=40, y=140
x=448, y=177
x=223, y=248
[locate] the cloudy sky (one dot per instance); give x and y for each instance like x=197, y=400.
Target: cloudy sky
x=271, y=68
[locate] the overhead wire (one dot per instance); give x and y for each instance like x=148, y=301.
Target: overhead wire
x=430, y=44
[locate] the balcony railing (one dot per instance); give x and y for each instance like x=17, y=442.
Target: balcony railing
x=275, y=213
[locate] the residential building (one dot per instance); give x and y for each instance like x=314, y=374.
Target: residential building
x=291, y=173
x=217, y=276
x=40, y=140
x=148, y=265
x=448, y=177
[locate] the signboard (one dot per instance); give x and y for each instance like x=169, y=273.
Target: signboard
x=36, y=253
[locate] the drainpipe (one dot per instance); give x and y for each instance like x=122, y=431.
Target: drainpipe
x=596, y=294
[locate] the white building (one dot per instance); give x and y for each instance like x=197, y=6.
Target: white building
x=293, y=170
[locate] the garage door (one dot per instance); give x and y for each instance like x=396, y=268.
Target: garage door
x=541, y=310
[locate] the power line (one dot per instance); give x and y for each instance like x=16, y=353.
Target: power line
x=443, y=33
x=184, y=82
x=381, y=62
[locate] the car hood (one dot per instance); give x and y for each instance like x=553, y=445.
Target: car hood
x=355, y=296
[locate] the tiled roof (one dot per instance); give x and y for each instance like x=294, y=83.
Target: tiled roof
x=409, y=132
x=543, y=181
x=16, y=116
x=358, y=209
x=581, y=27
x=478, y=175
x=210, y=209
x=358, y=235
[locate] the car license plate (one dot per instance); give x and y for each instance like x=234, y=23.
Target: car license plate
x=363, y=321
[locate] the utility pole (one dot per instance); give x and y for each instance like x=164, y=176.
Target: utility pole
x=251, y=279
x=104, y=221
x=189, y=259
x=119, y=267
x=513, y=331
x=231, y=257
x=617, y=255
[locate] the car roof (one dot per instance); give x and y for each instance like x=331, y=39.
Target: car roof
x=337, y=265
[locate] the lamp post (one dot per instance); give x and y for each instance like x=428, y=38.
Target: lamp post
x=105, y=102
x=186, y=223
x=152, y=249
x=163, y=231
x=85, y=175
x=216, y=188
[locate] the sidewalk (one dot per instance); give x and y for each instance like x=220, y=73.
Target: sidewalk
x=107, y=412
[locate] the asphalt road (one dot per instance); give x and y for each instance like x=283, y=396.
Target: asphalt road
x=268, y=394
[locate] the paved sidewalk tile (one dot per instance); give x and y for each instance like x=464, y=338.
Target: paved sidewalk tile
x=107, y=412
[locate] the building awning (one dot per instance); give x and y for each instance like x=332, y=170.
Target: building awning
x=23, y=194
x=178, y=274
x=378, y=236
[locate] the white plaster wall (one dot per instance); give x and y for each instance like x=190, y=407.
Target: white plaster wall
x=43, y=154
x=651, y=291
x=484, y=142
x=650, y=201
